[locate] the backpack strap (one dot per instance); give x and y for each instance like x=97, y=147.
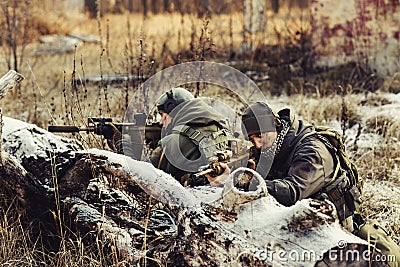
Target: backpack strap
x=208, y=143
x=340, y=190
x=197, y=136
x=188, y=131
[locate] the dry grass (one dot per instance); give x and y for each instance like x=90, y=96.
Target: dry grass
x=129, y=44
x=18, y=247
x=132, y=44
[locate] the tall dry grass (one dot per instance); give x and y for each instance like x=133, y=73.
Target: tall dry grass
x=133, y=44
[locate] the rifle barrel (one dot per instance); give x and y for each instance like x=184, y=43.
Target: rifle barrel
x=69, y=129
x=63, y=129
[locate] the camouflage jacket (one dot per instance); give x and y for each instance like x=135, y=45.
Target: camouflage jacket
x=177, y=153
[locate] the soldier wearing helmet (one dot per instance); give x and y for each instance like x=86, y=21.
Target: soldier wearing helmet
x=170, y=100
x=192, y=132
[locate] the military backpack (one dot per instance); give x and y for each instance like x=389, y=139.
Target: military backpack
x=345, y=187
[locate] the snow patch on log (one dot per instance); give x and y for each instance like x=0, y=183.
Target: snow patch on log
x=153, y=181
x=243, y=185
x=299, y=229
x=36, y=149
x=206, y=194
x=27, y=140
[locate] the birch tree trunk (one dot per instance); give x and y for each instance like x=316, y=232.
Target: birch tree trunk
x=254, y=12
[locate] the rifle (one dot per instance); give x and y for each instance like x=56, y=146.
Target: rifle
x=238, y=155
x=106, y=128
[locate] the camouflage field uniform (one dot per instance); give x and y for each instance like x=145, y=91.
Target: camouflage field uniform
x=178, y=152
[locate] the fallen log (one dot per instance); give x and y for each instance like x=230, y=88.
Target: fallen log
x=56, y=44
x=147, y=216
x=109, y=79
x=90, y=38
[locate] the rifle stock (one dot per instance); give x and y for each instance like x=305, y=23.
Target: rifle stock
x=238, y=155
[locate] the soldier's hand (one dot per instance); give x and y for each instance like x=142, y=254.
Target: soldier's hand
x=115, y=142
x=251, y=164
x=219, y=180
x=156, y=157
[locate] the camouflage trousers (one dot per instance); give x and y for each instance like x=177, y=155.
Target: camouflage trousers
x=375, y=235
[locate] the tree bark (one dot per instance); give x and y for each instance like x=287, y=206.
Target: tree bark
x=255, y=20
x=275, y=6
x=131, y=6
x=91, y=8
x=144, y=3
x=9, y=81
x=154, y=6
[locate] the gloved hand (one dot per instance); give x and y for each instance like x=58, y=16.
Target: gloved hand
x=219, y=180
x=115, y=142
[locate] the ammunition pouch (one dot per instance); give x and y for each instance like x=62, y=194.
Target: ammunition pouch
x=208, y=143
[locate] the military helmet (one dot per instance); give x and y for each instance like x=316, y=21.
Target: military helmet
x=172, y=98
x=258, y=118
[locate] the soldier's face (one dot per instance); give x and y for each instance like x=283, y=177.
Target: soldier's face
x=263, y=140
x=165, y=119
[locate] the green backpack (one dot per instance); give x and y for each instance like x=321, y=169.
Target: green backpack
x=345, y=187
x=336, y=143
